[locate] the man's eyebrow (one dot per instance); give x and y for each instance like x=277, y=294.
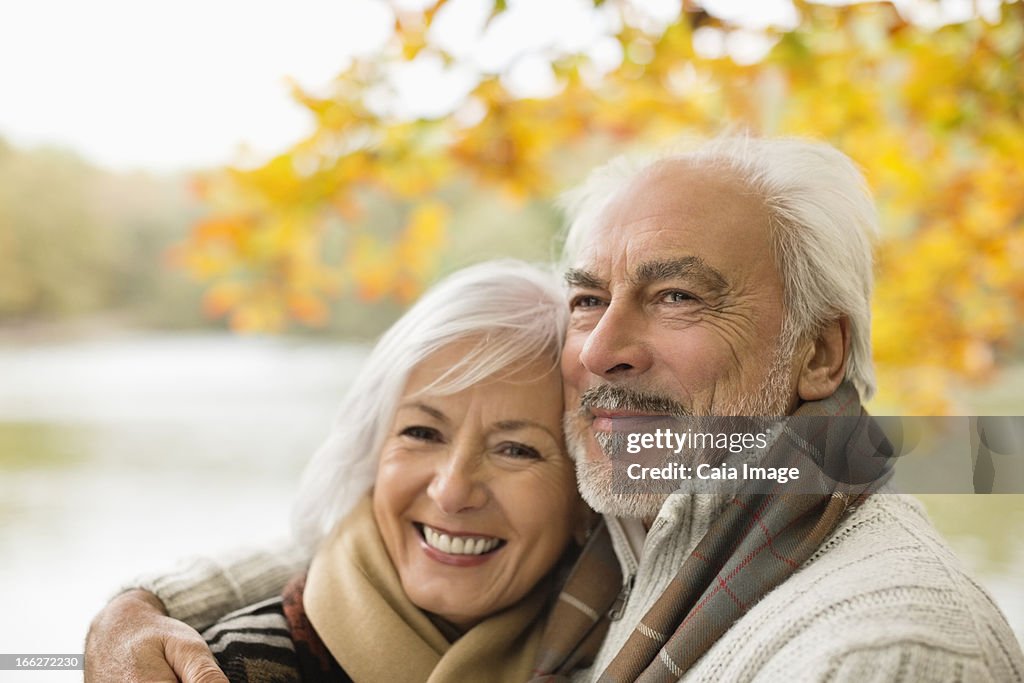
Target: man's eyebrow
x=418, y=405
x=691, y=267
x=513, y=425
x=575, y=277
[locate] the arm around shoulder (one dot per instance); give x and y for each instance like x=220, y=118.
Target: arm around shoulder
x=204, y=589
x=150, y=631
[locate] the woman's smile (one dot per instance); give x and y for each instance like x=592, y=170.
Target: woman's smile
x=457, y=550
x=458, y=544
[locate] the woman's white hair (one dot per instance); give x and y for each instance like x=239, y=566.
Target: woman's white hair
x=509, y=313
x=822, y=220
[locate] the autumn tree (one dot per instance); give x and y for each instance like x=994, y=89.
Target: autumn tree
x=931, y=113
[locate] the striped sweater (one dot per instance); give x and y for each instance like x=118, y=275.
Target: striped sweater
x=273, y=642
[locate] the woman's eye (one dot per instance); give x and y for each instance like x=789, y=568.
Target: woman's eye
x=422, y=433
x=512, y=449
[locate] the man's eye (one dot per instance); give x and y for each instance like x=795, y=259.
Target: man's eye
x=676, y=296
x=516, y=450
x=422, y=433
x=585, y=301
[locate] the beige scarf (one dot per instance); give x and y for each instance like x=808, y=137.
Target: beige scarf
x=355, y=601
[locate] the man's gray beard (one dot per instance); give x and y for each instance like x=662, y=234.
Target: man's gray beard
x=625, y=497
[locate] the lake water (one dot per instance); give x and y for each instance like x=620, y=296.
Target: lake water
x=119, y=456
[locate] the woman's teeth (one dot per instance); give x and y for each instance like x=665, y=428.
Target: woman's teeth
x=459, y=545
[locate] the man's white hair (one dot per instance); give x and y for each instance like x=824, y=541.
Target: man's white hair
x=822, y=222
x=508, y=312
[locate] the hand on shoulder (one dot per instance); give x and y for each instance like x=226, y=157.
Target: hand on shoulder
x=133, y=639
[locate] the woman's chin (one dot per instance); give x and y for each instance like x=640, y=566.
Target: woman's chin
x=450, y=608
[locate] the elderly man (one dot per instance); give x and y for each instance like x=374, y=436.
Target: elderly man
x=732, y=280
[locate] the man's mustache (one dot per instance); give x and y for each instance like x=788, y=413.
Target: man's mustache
x=611, y=397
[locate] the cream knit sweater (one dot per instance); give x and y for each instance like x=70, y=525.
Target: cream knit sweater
x=884, y=599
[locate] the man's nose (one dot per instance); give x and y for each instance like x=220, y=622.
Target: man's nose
x=457, y=486
x=616, y=347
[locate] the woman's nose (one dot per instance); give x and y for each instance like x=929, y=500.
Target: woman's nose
x=456, y=486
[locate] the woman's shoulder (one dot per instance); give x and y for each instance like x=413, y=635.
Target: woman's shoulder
x=273, y=642
x=255, y=645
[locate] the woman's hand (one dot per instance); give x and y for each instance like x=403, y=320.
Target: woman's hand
x=133, y=639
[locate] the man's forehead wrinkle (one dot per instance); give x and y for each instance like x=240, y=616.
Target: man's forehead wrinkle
x=701, y=189
x=657, y=219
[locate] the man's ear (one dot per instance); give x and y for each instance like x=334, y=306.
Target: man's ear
x=823, y=365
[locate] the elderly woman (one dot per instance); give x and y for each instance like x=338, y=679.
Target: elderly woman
x=441, y=507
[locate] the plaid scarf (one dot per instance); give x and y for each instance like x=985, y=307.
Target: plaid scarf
x=757, y=542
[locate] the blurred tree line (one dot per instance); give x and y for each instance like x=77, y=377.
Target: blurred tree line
x=76, y=240
x=81, y=244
